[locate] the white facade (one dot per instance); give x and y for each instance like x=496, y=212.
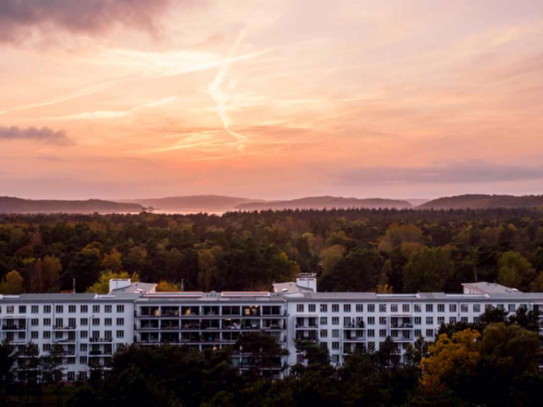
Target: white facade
x=92, y=327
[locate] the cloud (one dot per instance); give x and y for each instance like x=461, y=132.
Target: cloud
x=19, y=18
x=459, y=173
x=44, y=135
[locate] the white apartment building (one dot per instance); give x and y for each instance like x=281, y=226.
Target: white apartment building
x=92, y=327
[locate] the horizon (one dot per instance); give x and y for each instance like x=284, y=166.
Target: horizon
x=270, y=100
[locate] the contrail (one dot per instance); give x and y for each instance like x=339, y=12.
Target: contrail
x=220, y=98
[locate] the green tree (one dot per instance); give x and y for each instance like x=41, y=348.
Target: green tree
x=515, y=271
x=397, y=235
x=207, y=269
x=261, y=351
x=427, y=270
x=330, y=257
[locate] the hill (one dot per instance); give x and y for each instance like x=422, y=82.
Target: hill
x=484, y=202
x=199, y=202
x=18, y=205
x=329, y=202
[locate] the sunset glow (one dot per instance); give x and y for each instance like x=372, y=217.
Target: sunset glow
x=270, y=99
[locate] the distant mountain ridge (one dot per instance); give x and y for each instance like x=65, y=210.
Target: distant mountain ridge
x=329, y=202
x=479, y=201
x=200, y=202
x=19, y=205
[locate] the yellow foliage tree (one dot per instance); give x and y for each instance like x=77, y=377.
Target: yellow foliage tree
x=13, y=283
x=102, y=285
x=450, y=356
x=166, y=286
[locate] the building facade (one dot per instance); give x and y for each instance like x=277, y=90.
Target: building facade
x=91, y=327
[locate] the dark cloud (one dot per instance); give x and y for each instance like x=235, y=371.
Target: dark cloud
x=459, y=173
x=20, y=18
x=44, y=135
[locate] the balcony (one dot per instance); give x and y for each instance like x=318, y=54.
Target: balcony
x=101, y=340
x=13, y=328
x=63, y=327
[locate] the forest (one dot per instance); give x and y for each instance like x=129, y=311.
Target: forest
x=349, y=250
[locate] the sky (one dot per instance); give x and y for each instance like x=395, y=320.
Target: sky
x=269, y=99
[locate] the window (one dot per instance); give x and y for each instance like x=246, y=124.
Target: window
x=47, y=322
x=59, y=309
x=84, y=334
x=84, y=309
x=488, y=307
x=120, y=334
x=335, y=307
x=34, y=322
x=452, y=307
x=108, y=322
x=347, y=321
x=371, y=307
x=383, y=333
x=34, y=334
x=417, y=308
x=405, y=307
x=71, y=309
x=10, y=309
x=96, y=321
x=71, y=361
x=59, y=322
x=46, y=334
x=335, y=320
x=46, y=309
x=22, y=309
x=84, y=321
x=83, y=360
x=299, y=307
x=429, y=333
x=335, y=345
x=464, y=319
x=35, y=309
x=95, y=308
x=359, y=307
x=324, y=333
x=324, y=307
x=394, y=308
x=371, y=320
x=312, y=307
x=429, y=320
x=475, y=319
x=452, y=320
x=417, y=333
x=418, y=320
x=429, y=307
x=440, y=307
x=501, y=307
x=71, y=322
x=83, y=347
x=335, y=333
x=120, y=308
x=120, y=321
x=324, y=320
x=47, y=347
x=382, y=308
x=511, y=308
x=382, y=320
x=476, y=307
x=109, y=308
x=108, y=334
x=346, y=307
x=371, y=333
x=440, y=320
x=464, y=308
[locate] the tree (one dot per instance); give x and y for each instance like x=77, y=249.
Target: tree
x=112, y=261
x=515, y=271
x=102, y=285
x=85, y=267
x=12, y=283
x=450, y=361
x=330, y=257
x=165, y=286
x=427, y=270
x=46, y=278
x=397, y=235
x=7, y=361
x=261, y=351
x=207, y=269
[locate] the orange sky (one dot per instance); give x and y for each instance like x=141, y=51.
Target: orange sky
x=270, y=99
